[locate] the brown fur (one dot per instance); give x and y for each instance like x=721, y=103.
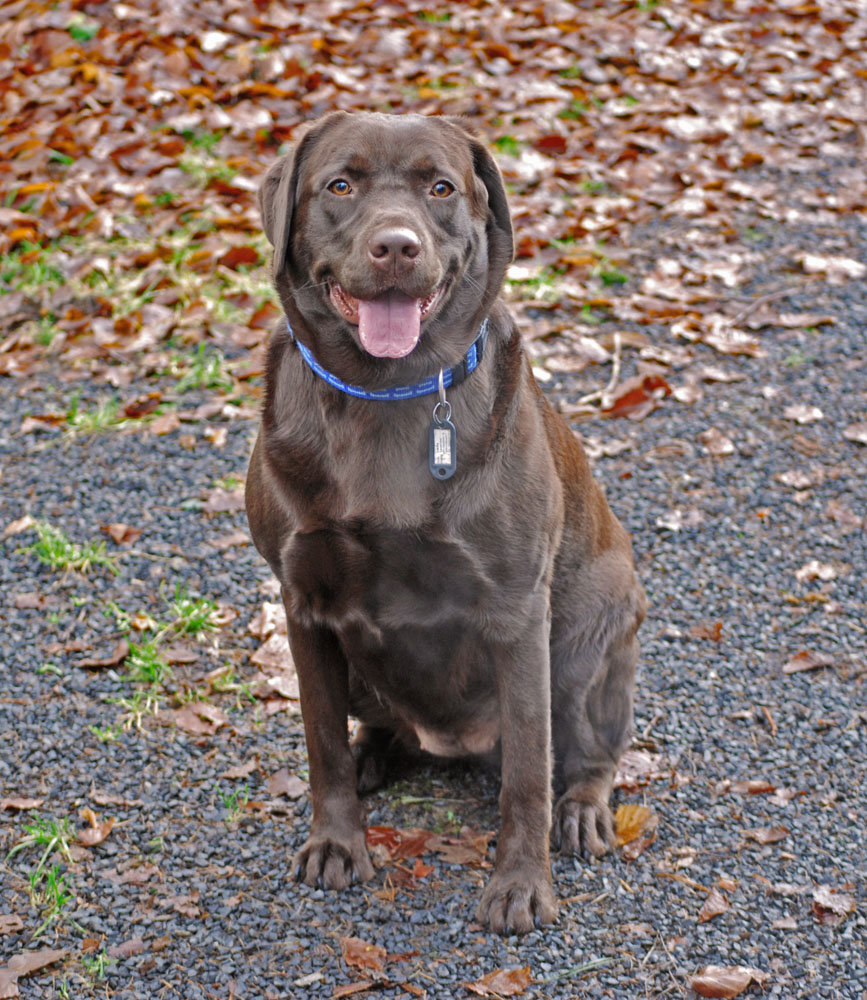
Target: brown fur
x=496, y=609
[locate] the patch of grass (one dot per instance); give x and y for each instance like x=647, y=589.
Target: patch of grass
x=201, y=140
x=141, y=703
x=589, y=317
x=81, y=30
x=52, y=835
x=576, y=110
x=106, y=734
x=105, y=416
x=54, y=548
x=593, y=187
x=27, y=268
x=570, y=73
x=49, y=893
x=229, y=482
x=192, y=616
x=206, y=370
x=434, y=17
x=509, y=145
x=234, y=802
x=798, y=358
x=203, y=167
x=145, y=665
x=540, y=286
x=96, y=966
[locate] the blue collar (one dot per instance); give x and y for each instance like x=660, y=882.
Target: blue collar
x=451, y=376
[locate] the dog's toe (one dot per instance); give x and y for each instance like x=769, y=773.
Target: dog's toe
x=516, y=902
x=582, y=826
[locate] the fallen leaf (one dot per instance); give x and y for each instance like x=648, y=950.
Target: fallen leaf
x=502, y=983
x=200, y=718
x=707, y=630
x=635, y=828
x=715, y=905
x=785, y=924
x=856, y=433
x=220, y=501
x=166, y=423
x=767, y=834
x=716, y=443
x=814, y=570
x=637, y=397
x=21, y=524
x=803, y=414
x=351, y=988
x=22, y=965
x=10, y=923
x=241, y=770
x=126, y=949
x=96, y=832
x=831, y=906
x=283, y=783
x=120, y=653
x=274, y=653
x=20, y=803
x=725, y=981
x=753, y=786
x=187, y=905
x=807, y=659
x=120, y=533
x=836, y=269
x=361, y=955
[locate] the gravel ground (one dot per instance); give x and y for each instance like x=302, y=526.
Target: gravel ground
x=188, y=896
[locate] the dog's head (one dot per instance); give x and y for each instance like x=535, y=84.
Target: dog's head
x=391, y=235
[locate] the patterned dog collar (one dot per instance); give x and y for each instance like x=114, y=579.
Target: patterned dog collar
x=450, y=376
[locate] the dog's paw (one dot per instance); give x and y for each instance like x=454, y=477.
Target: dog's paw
x=517, y=901
x=332, y=863
x=583, y=824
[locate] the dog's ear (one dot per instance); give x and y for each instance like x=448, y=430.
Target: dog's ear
x=278, y=192
x=492, y=194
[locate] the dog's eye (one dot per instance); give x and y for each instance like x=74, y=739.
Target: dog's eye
x=442, y=189
x=340, y=186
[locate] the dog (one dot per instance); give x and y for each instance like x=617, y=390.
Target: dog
x=453, y=576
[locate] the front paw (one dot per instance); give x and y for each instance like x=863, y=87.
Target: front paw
x=515, y=902
x=583, y=823
x=333, y=862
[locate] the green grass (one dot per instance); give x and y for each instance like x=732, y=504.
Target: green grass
x=103, y=417
x=54, y=548
x=30, y=276
x=206, y=370
x=509, y=145
x=145, y=665
x=234, y=802
x=192, y=616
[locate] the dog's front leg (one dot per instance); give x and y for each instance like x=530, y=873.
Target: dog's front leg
x=335, y=853
x=520, y=895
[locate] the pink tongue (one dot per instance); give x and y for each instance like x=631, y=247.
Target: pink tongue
x=389, y=327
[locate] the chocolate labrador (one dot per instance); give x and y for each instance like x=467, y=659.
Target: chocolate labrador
x=453, y=576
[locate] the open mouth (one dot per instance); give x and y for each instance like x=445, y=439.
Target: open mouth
x=389, y=326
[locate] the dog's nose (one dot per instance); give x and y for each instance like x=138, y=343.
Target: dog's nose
x=393, y=247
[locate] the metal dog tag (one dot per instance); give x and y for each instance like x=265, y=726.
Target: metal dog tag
x=443, y=452
x=443, y=438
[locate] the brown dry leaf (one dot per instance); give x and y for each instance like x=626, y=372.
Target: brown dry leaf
x=187, y=905
x=753, y=786
x=716, y=443
x=231, y=540
x=785, y=924
x=856, y=433
x=241, y=770
x=283, y=783
x=127, y=949
x=352, y=988
x=274, y=654
x=767, y=834
x=220, y=501
x=120, y=533
x=807, y=659
x=164, y=424
x=635, y=829
x=10, y=923
x=23, y=964
x=715, y=905
x=836, y=269
x=725, y=981
x=200, y=718
x=20, y=524
x=470, y=848
x=119, y=654
x=20, y=803
x=707, y=630
x=636, y=397
x=801, y=413
x=270, y=618
x=96, y=832
x=830, y=906
x=814, y=570
x=360, y=955
x=502, y=983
